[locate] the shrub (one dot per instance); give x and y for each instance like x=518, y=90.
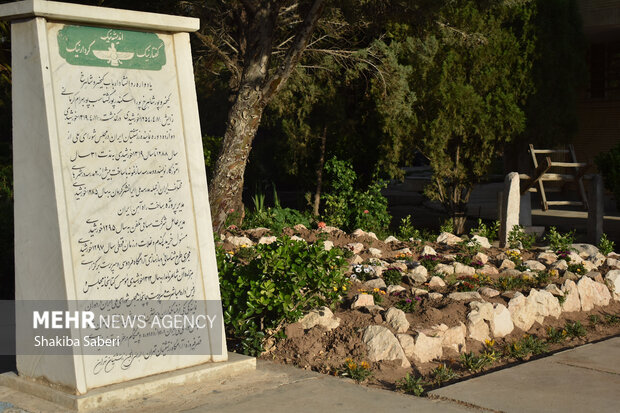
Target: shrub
x=392, y=276
x=559, y=242
x=518, y=238
x=442, y=374
x=605, y=246
x=526, y=346
x=274, y=285
x=411, y=384
x=406, y=230
x=275, y=218
x=489, y=232
x=358, y=372
x=477, y=362
x=575, y=329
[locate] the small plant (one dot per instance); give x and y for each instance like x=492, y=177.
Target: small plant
x=406, y=230
x=518, y=238
x=515, y=256
x=408, y=305
x=594, y=319
x=542, y=278
x=392, y=276
x=577, y=268
x=429, y=261
x=363, y=272
x=489, y=232
x=559, y=242
x=605, y=246
x=561, y=299
x=443, y=374
x=470, y=247
x=525, y=347
x=473, y=282
x=556, y=335
x=575, y=329
x=447, y=226
x=612, y=319
x=411, y=384
x=463, y=259
x=476, y=362
x=378, y=294
x=358, y=372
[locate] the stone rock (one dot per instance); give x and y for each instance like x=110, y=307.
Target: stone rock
x=596, y=276
x=267, y=240
x=358, y=233
x=613, y=280
x=257, y=232
x=585, y=250
x=488, y=269
x=400, y=266
x=478, y=329
x=397, y=319
x=320, y=317
x=419, y=291
x=363, y=300
x=331, y=230
x=427, y=348
x=376, y=283
x=421, y=271
x=483, y=241
x=463, y=269
x=547, y=257
x=444, y=269
x=510, y=273
x=297, y=238
x=545, y=304
x=465, y=296
x=395, y=289
x=571, y=276
x=571, y=294
x=403, y=251
x=435, y=296
x=300, y=227
x=612, y=262
x=575, y=258
x=375, y=252
x=391, y=238
x=592, y=293
x=428, y=250
x=240, y=241
x=356, y=260
x=511, y=202
x=488, y=292
x=454, y=338
x=375, y=310
x=482, y=257
x=597, y=260
x=484, y=309
x=535, y=265
x=507, y=265
x=508, y=295
x=416, y=278
x=356, y=247
x=381, y=345
x=407, y=343
x=589, y=265
x=554, y=289
x=448, y=239
x=436, y=282
x=372, y=235
x=560, y=265
x=328, y=245
x=523, y=316
x=501, y=323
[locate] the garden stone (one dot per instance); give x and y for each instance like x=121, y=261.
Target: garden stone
x=391, y=238
x=554, y=289
x=571, y=294
x=483, y=241
x=488, y=269
x=376, y=310
x=297, y=238
x=592, y=293
x=356, y=247
x=427, y=348
x=444, y=269
x=613, y=280
x=571, y=276
x=501, y=323
x=240, y=241
x=428, y=250
x=545, y=304
x=450, y=257
x=535, y=265
x=507, y=265
x=484, y=309
x=596, y=276
x=613, y=255
x=585, y=250
x=376, y=283
x=358, y=233
x=320, y=317
x=575, y=258
x=454, y=338
x=463, y=269
x=547, y=257
x=403, y=251
x=407, y=343
x=395, y=289
x=381, y=345
x=510, y=273
x=267, y=240
x=328, y=245
x=363, y=300
x=612, y=262
x=448, y=239
x=509, y=212
x=482, y=257
x=396, y=319
x=400, y=265
x=356, y=260
x=419, y=291
x=372, y=235
x=560, y=265
x=488, y=292
x=478, y=329
x=378, y=269
x=589, y=266
x=436, y=282
x=421, y=271
x=465, y=296
x=257, y=232
x=416, y=278
x=509, y=295
x=523, y=315
x=598, y=259
x=435, y=296
x=375, y=252
x=331, y=230
x=300, y=227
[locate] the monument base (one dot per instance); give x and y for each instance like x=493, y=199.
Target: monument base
x=117, y=393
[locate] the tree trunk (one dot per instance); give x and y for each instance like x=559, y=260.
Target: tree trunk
x=319, y=175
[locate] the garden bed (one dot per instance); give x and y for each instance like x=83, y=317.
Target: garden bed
x=416, y=315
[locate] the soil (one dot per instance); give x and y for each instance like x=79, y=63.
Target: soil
x=326, y=351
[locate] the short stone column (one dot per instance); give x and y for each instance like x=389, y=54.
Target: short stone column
x=596, y=210
x=510, y=207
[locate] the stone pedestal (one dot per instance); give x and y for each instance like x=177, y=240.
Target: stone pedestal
x=510, y=207
x=596, y=212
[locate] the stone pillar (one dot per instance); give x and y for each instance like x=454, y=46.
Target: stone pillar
x=525, y=210
x=510, y=206
x=596, y=212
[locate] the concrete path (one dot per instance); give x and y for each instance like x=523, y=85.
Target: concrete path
x=585, y=379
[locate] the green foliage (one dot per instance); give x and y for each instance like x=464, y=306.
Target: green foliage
x=470, y=247
x=363, y=272
x=525, y=347
x=411, y=384
x=447, y=226
x=559, y=242
x=358, y=372
x=349, y=208
x=406, y=230
x=392, y=276
x=477, y=362
x=556, y=335
x=429, y=262
x=575, y=329
x=608, y=163
x=518, y=238
x=275, y=218
x=275, y=284
x=487, y=231
x=442, y=374
x=408, y=305
x=576, y=268
x=605, y=246
x=594, y=319
x=612, y=319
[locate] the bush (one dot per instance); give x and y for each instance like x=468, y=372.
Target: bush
x=559, y=242
x=609, y=165
x=275, y=218
x=275, y=284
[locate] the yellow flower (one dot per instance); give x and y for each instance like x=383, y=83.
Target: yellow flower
x=344, y=288
x=364, y=365
x=335, y=288
x=489, y=343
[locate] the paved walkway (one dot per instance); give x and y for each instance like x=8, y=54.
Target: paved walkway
x=586, y=379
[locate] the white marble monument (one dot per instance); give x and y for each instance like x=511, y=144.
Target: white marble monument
x=110, y=185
